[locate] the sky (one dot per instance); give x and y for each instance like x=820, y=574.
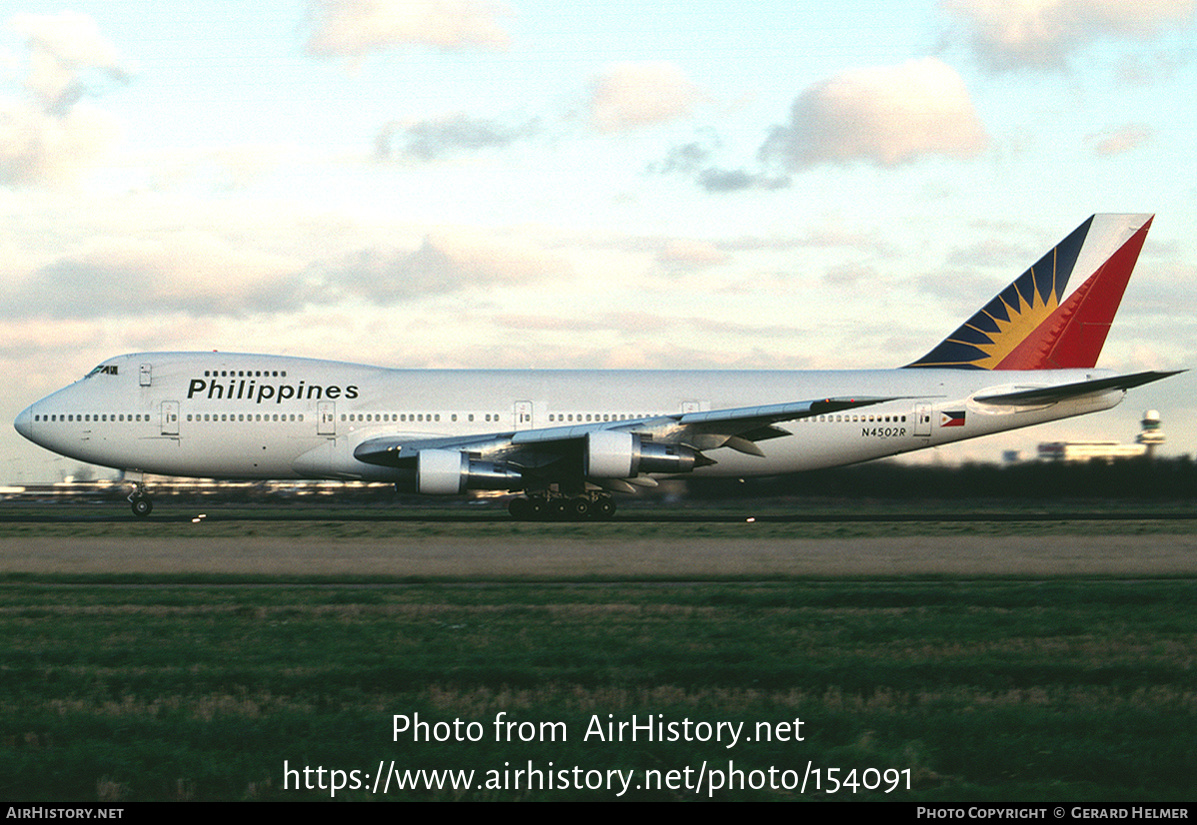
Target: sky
x=465, y=183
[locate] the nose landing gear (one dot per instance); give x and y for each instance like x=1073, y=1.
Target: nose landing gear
x=141, y=503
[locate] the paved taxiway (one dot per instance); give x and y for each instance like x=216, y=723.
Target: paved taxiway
x=591, y=558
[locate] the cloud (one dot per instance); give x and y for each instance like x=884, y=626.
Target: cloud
x=632, y=95
x=694, y=159
x=687, y=158
x=637, y=340
x=838, y=236
x=37, y=148
x=62, y=48
x=1041, y=33
x=431, y=139
x=691, y=255
x=192, y=273
x=886, y=115
x=625, y=322
x=446, y=262
x=850, y=274
x=999, y=252
x=1146, y=69
x=50, y=137
x=1122, y=139
x=716, y=180
x=352, y=28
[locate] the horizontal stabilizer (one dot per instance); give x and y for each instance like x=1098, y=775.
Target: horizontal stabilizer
x=1063, y=392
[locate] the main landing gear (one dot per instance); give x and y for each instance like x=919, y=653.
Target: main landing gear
x=141, y=503
x=597, y=507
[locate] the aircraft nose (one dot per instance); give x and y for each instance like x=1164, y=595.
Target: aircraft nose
x=24, y=423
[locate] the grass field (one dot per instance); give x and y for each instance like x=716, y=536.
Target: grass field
x=151, y=668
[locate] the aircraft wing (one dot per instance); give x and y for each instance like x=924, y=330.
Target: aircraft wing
x=1063, y=392
x=738, y=428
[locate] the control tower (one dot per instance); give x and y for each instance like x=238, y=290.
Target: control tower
x=1151, y=435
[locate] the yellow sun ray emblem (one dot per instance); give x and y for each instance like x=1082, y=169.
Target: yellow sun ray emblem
x=1025, y=313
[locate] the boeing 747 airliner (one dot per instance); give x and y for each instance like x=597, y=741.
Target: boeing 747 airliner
x=568, y=439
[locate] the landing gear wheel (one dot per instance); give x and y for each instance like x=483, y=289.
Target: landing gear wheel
x=528, y=509
x=603, y=508
x=142, y=505
x=577, y=509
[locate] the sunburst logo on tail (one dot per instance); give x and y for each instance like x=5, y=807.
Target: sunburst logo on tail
x=1029, y=326
x=1015, y=314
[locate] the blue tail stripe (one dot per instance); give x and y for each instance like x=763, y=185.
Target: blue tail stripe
x=970, y=335
x=994, y=309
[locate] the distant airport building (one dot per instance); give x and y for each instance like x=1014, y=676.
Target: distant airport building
x=1150, y=437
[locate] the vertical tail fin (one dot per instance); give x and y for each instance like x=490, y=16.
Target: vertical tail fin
x=1030, y=325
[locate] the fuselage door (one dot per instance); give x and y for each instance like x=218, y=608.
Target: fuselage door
x=170, y=417
x=523, y=415
x=145, y=374
x=922, y=419
x=326, y=418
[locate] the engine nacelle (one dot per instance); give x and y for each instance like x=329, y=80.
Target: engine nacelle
x=450, y=472
x=612, y=454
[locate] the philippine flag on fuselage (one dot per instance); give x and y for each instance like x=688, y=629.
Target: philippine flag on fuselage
x=951, y=418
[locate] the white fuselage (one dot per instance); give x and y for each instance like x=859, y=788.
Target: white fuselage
x=239, y=416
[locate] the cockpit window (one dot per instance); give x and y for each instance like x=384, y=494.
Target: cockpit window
x=103, y=369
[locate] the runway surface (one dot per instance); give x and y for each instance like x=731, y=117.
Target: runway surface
x=569, y=558
x=480, y=542
x=178, y=514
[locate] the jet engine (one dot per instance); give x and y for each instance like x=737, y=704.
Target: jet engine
x=612, y=454
x=449, y=472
